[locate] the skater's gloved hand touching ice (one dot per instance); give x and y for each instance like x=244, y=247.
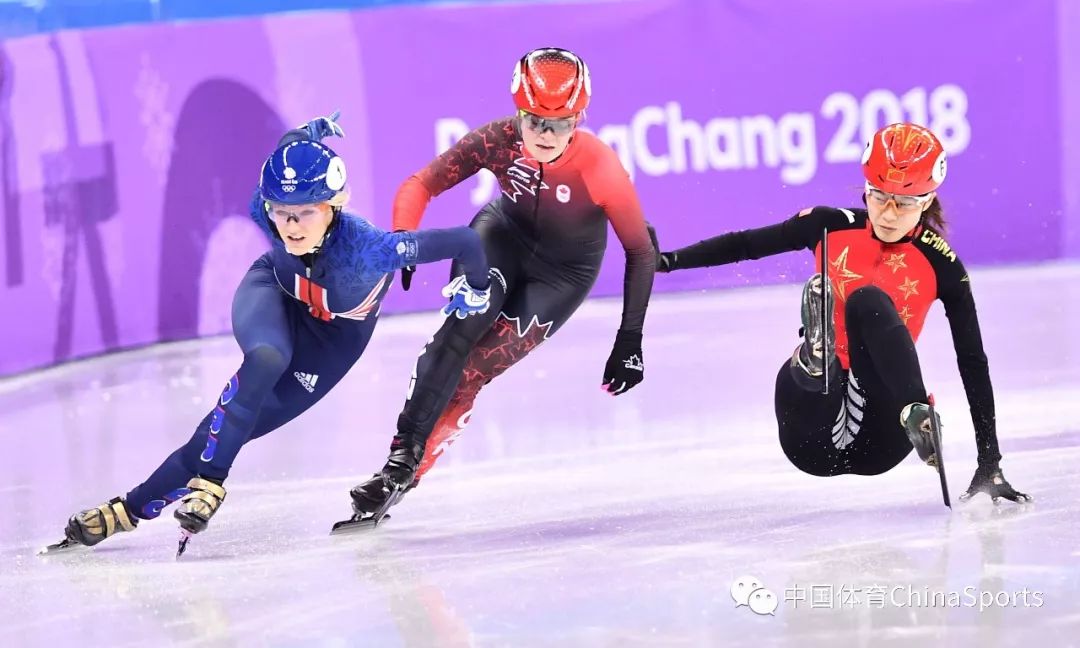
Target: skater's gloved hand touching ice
x=625, y=367
x=988, y=479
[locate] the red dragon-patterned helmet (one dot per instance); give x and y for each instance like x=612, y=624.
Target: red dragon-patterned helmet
x=904, y=159
x=551, y=82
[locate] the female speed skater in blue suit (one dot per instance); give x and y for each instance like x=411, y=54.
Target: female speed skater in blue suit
x=302, y=315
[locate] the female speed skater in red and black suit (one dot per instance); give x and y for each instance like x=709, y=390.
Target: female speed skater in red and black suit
x=302, y=315
x=887, y=264
x=545, y=237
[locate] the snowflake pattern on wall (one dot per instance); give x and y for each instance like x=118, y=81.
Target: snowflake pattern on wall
x=153, y=94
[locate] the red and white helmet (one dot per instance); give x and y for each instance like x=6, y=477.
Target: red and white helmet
x=551, y=82
x=905, y=159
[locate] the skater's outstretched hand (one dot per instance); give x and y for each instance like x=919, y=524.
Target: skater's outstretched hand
x=321, y=127
x=625, y=367
x=464, y=299
x=406, y=272
x=665, y=261
x=989, y=480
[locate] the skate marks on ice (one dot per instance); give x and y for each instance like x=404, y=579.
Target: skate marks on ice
x=497, y=560
x=584, y=523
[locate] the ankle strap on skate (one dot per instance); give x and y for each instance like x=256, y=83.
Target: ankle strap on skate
x=112, y=513
x=207, y=494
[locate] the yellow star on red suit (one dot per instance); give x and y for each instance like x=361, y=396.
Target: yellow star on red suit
x=909, y=288
x=842, y=276
x=906, y=314
x=896, y=261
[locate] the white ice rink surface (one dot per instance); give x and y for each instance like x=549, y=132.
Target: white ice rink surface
x=563, y=517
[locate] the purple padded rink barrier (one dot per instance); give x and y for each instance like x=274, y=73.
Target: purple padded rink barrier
x=562, y=517
x=128, y=154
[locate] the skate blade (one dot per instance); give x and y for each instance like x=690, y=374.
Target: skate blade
x=185, y=536
x=939, y=463
x=346, y=527
x=64, y=546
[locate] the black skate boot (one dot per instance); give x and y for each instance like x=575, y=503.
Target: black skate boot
x=372, y=499
x=923, y=427
x=808, y=361
x=919, y=426
x=89, y=527
x=197, y=507
x=400, y=469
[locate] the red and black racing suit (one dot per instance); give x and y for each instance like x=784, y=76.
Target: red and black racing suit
x=545, y=237
x=882, y=294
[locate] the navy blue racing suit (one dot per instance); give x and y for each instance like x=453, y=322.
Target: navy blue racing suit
x=302, y=322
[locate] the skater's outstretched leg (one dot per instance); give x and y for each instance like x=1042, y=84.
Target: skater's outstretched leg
x=212, y=449
x=91, y=526
x=262, y=328
x=513, y=335
x=502, y=346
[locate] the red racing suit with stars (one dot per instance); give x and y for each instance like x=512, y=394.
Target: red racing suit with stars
x=914, y=271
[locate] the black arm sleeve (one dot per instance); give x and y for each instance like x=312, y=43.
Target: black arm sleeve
x=799, y=232
x=955, y=292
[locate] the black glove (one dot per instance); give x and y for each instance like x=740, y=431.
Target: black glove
x=665, y=261
x=406, y=277
x=406, y=272
x=625, y=367
x=988, y=479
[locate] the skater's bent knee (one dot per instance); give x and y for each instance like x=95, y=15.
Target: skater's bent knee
x=267, y=360
x=868, y=299
x=460, y=342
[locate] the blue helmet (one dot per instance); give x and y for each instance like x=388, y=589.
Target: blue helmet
x=302, y=172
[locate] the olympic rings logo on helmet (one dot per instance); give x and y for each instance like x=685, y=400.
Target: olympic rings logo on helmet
x=301, y=172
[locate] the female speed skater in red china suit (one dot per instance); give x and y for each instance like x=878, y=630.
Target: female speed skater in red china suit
x=888, y=262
